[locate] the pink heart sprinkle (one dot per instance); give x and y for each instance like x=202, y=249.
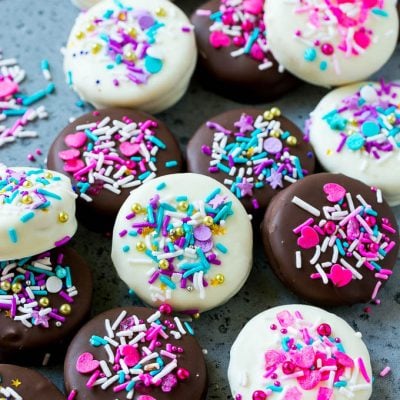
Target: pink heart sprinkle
x=309, y=238
x=293, y=394
x=340, y=276
x=253, y=6
x=325, y=393
x=344, y=359
x=8, y=88
x=219, y=39
x=86, y=363
x=131, y=354
x=274, y=357
x=362, y=39
x=305, y=357
x=75, y=140
x=129, y=149
x=310, y=379
x=285, y=318
x=335, y=192
x=69, y=154
x=73, y=165
x=146, y=397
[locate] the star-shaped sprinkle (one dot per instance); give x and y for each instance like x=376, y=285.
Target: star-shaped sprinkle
x=245, y=124
x=40, y=319
x=217, y=201
x=16, y=382
x=275, y=179
x=246, y=187
x=8, y=314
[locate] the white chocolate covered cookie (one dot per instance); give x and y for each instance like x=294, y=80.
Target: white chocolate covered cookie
x=131, y=53
x=184, y=239
x=355, y=130
x=298, y=352
x=37, y=211
x=332, y=42
x=84, y=4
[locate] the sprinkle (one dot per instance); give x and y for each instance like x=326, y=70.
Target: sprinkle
x=305, y=206
x=385, y=371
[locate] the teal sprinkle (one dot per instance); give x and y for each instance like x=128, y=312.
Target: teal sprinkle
x=375, y=265
x=40, y=270
x=251, y=40
x=182, y=198
x=150, y=214
x=49, y=194
x=69, y=78
x=34, y=97
x=285, y=135
x=130, y=386
x=382, y=252
x=171, y=164
x=97, y=341
x=91, y=135
x=23, y=261
x=164, y=279
x=60, y=272
x=223, y=168
x=215, y=16
x=34, y=172
x=153, y=65
x=310, y=54
x=259, y=185
x=133, y=233
x=188, y=266
x=2, y=292
x=50, y=88
x=340, y=347
x=323, y=66
x=40, y=292
x=370, y=211
x=18, y=277
x=121, y=375
x=284, y=343
x=188, y=328
x=143, y=176
x=370, y=128
x=274, y=388
x=126, y=249
x=340, y=247
x=43, y=181
x=119, y=4
x=110, y=66
x=68, y=280
x=221, y=248
x=44, y=64
x=118, y=59
x=259, y=156
x=12, y=113
x=80, y=103
x=12, y=233
x=192, y=271
x=108, y=14
x=212, y=195
x=298, y=167
x=380, y=12
x=355, y=141
x=340, y=384
x=203, y=258
x=32, y=278
x=157, y=142
x=161, y=186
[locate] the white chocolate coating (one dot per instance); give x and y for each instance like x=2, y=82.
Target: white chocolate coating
x=296, y=39
x=101, y=79
x=248, y=364
x=84, y=4
x=235, y=235
x=26, y=227
x=380, y=172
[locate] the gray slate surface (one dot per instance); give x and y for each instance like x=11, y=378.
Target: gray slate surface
x=35, y=29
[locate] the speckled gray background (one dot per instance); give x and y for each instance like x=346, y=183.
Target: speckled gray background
x=35, y=29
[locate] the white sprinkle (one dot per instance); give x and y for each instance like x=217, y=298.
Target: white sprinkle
x=305, y=206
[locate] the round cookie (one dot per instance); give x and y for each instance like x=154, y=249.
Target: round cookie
x=234, y=52
x=355, y=130
x=331, y=239
x=136, y=53
x=176, y=240
x=19, y=383
x=298, y=352
x=136, y=353
x=44, y=300
x=34, y=203
x=332, y=43
x=254, y=154
x=109, y=153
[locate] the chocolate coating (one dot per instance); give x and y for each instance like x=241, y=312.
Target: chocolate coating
x=192, y=359
x=33, y=385
x=199, y=162
x=280, y=242
x=236, y=77
x=100, y=214
x=22, y=345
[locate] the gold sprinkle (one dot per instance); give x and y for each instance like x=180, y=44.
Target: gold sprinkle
x=65, y=309
x=140, y=246
x=63, y=217
x=268, y=116
x=291, y=141
x=136, y=208
x=220, y=278
x=16, y=287
x=26, y=199
x=44, y=301
x=161, y=12
x=5, y=285
x=183, y=206
x=208, y=221
x=16, y=382
x=96, y=47
x=276, y=112
x=80, y=35
x=163, y=264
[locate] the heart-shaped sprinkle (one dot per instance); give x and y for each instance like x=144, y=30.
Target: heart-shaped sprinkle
x=340, y=276
x=253, y=6
x=305, y=357
x=8, y=88
x=344, y=359
x=293, y=394
x=131, y=354
x=128, y=149
x=309, y=238
x=325, y=393
x=310, y=379
x=73, y=165
x=75, y=140
x=334, y=192
x=219, y=39
x=168, y=383
x=285, y=318
x=85, y=364
x=69, y=154
x=274, y=357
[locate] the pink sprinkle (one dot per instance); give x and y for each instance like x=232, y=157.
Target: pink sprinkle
x=203, y=13
x=306, y=223
x=385, y=371
x=31, y=157
x=255, y=204
x=376, y=290
x=363, y=370
x=72, y=394
x=388, y=228
x=381, y=276
x=92, y=379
